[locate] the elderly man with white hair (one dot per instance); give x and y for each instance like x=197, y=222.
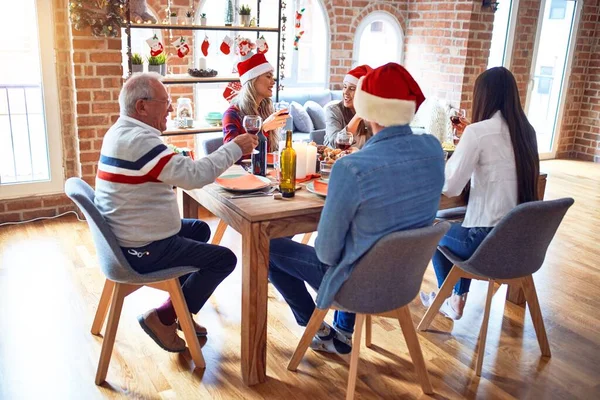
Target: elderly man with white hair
x=134, y=193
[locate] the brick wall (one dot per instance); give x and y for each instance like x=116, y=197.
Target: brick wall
x=447, y=46
x=345, y=16
x=481, y=25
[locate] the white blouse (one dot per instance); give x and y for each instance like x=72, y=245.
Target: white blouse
x=485, y=155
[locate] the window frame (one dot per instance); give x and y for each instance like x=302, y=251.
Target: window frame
x=378, y=15
x=50, y=101
x=291, y=81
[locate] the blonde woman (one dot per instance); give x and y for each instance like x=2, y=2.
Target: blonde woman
x=256, y=77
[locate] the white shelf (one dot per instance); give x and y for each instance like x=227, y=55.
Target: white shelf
x=204, y=28
x=199, y=128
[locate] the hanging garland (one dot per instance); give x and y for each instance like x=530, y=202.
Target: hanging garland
x=282, y=52
x=104, y=17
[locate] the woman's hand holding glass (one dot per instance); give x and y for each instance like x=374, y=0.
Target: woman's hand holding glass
x=276, y=120
x=344, y=140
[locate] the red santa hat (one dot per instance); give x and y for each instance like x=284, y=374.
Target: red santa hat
x=388, y=95
x=355, y=74
x=253, y=67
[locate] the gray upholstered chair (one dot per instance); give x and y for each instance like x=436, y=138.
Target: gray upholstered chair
x=122, y=280
x=451, y=214
x=511, y=253
x=383, y=282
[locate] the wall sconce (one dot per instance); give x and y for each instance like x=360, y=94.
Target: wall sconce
x=493, y=4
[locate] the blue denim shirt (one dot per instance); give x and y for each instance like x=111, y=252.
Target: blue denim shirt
x=394, y=183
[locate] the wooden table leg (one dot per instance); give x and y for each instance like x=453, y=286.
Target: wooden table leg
x=255, y=265
x=188, y=206
x=515, y=294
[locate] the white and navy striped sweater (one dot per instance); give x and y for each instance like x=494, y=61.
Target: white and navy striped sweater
x=136, y=175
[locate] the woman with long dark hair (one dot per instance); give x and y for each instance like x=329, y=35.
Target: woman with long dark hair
x=498, y=154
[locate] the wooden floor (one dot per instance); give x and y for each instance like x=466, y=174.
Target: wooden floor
x=50, y=285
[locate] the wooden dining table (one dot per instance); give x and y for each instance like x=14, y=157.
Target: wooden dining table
x=259, y=220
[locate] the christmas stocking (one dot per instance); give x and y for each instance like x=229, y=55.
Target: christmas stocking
x=232, y=90
x=182, y=47
x=204, y=46
x=226, y=45
x=245, y=46
x=156, y=46
x=261, y=45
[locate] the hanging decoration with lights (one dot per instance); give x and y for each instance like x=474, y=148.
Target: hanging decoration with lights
x=104, y=17
x=282, y=44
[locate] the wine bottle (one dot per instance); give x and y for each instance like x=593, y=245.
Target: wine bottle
x=287, y=182
x=259, y=156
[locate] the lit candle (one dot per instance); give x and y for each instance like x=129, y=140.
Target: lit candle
x=300, y=148
x=202, y=63
x=311, y=160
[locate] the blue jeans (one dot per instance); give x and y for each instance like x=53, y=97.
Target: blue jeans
x=187, y=248
x=290, y=265
x=463, y=242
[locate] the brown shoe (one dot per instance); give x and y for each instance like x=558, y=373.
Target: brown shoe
x=164, y=335
x=200, y=330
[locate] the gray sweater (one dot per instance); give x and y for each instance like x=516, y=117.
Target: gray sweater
x=136, y=175
x=336, y=123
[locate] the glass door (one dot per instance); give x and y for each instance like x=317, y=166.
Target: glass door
x=550, y=67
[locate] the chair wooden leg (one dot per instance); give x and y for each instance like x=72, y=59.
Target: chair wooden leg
x=414, y=348
x=354, y=356
x=221, y=228
x=102, y=309
x=536, y=314
x=484, y=328
x=185, y=319
x=443, y=294
x=116, y=305
x=306, y=238
x=311, y=329
x=368, y=330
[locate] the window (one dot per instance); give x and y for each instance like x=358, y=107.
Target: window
x=309, y=65
x=30, y=137
x=558, y=9
x=138, y=43
x=379, y=40
x=503, y=33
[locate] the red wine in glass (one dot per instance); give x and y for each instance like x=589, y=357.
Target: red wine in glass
x=342, y=146
x=455, y=119
x=252, y=131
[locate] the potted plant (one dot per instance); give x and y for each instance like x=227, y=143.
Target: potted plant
x=173, y=18
x=137, y=63
x=158, y=64
x=244, y=12
x=203, y=19
x=189, y=15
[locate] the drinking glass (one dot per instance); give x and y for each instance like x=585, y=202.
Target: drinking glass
x=455, y=116
x=344, y=140
x=252, y=123
x=325, y=170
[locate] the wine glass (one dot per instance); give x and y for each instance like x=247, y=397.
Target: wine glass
x=455, y=116
x=344, y=140
x=282, y=105
x=252, y=123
